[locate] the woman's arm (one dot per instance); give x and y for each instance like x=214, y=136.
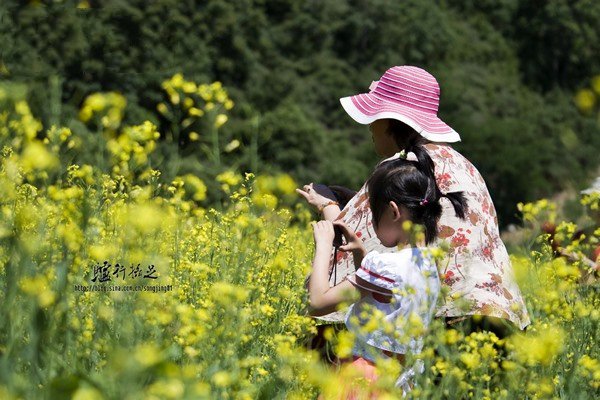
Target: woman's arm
x=322, y=298
x=330, y=212
x=330, y=209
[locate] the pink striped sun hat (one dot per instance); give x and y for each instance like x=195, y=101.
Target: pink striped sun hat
x=405, y=93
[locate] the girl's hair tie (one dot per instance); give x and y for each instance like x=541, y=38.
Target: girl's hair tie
x=423, y=202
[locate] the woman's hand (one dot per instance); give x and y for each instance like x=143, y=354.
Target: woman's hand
x=312, y=197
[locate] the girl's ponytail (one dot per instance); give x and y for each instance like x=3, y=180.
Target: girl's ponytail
x=426, y=165
x=429, y=219
x=432, y=209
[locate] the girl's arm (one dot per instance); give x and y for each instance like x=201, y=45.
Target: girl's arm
x=322, y=298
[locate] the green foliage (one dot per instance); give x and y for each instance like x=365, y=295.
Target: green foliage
x=507, y=70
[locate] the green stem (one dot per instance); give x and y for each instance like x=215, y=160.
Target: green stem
x=215, y=143
x=254, y=144
x=55, y=99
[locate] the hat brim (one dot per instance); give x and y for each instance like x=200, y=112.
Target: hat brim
x=366, y=285
x=365, y=108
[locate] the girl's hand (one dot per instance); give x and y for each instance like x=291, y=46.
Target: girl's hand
x=353, y=242
x=312, y=197
x=323, y=233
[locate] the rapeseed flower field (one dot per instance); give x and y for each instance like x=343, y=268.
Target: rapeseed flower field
x=118, y=284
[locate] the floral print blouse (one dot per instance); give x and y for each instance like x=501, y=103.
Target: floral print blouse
x=477, y=273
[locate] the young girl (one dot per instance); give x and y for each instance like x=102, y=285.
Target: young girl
x=399, y=286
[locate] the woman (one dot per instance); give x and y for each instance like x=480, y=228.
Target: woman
x=401, y=111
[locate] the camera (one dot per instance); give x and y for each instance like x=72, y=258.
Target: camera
x=338, y=239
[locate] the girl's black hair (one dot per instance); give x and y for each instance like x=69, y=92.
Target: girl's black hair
x=413, y=185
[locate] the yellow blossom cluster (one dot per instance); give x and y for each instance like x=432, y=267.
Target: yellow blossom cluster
x=108, y=108
x=131, y=148
x=195, y=100
x=541, y=210
x=271, y=191
x=221, y=309
x=586, y=99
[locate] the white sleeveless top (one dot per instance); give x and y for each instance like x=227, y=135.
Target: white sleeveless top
x=416, y=291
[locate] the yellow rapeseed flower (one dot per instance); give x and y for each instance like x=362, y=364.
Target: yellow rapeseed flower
x=85, y=392
x=195, y=186
x=37, y=157
x=222, y=379
x=177, y=81
x=285, y=184
x=196, y=112
x=470, y=360
x=585, y=100
x=228, y=179
x=38, y=287
x=162, y=108
x=189, y=87
x=540, y=348
x=145, y=217
x=169, y=388
x=596, y=84
x=147, y=355
x=345, y=343
x=234, y=144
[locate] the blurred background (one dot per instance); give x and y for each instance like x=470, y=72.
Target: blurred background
x=254, y=85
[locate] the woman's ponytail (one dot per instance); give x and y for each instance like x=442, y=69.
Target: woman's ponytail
x=424, y=161
x=459, y=202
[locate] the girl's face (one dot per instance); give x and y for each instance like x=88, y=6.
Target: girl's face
x=389, y=228
x=385, y=145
